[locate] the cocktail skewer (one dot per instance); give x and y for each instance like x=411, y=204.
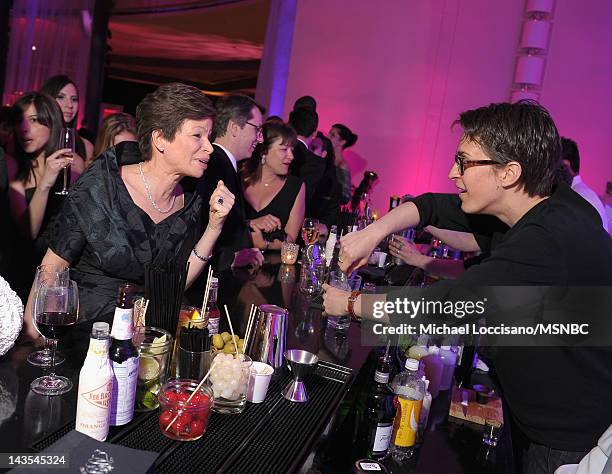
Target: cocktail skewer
x=229, y=320
x=206, y=292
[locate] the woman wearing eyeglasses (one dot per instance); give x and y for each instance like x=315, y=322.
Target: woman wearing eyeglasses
x=506, y=171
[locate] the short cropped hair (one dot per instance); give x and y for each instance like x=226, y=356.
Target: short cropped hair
x=306, y=102
x=523, y=132
x=235, y=107
x=569, y=152
x=166, y=109
x=304, y=121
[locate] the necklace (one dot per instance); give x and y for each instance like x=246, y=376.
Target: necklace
x=150, y=196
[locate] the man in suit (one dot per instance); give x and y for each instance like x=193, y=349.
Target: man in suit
x=238, y=131
x=306, y=164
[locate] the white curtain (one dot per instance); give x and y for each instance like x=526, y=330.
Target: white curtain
x=48, y=37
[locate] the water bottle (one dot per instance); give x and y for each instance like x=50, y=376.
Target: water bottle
x=409, y=391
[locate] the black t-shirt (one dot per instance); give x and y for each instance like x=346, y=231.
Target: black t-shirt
x=559, y=396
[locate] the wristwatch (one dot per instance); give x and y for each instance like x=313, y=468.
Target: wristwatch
x=351, y=304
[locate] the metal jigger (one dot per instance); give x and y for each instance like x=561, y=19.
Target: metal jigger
x=301, y=363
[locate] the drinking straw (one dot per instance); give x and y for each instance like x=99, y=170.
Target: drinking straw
x=197, y=389
x=231, y=329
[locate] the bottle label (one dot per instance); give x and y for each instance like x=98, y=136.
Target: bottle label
x=124, y=391
x=93, y=408
x=381, y=377
x=406, y=423
x=382, y=438
x=213, y=326
x=123, y=326
x=370, y=466
x=98, y=348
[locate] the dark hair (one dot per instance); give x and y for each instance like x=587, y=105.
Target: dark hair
x=330, y=156
x=275, y=118
x=112, y=126
x=166, y=109
x=54, y=85
x=306, y=102
x=304, y=121
x=49, y=114
x=523, y=132
x=250, y=173
x=345, y=133
x=569, y=152
x=235, y=107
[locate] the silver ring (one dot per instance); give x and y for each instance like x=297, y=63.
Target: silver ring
x=220, y=201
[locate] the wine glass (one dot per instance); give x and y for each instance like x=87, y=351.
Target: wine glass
x=45, y=274
x=56, y=310
x=310, y=231
x=67, y=140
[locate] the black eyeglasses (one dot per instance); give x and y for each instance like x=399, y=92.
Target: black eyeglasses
x=258, y=128
x=464, y=164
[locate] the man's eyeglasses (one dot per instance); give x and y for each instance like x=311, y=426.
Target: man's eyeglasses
x=258, y=128
x=464, y=164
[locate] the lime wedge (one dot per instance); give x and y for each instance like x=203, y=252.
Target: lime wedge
x=148, y=368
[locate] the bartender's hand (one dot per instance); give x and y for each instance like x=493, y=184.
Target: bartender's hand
x=356, y=248
x=221, y=203
x=267, y=223
x=246, y=257
x=335, y=301
x=405, y=250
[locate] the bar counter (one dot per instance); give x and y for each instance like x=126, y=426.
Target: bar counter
x=25, y=417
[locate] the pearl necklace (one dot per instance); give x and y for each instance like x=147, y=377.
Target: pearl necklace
x=150, y=196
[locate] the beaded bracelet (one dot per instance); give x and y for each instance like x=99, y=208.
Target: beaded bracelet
x=203, y=259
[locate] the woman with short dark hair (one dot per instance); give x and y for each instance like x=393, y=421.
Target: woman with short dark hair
x=269, y=189
x=129, y=210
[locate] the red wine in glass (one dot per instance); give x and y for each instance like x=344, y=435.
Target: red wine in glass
x=55, y=324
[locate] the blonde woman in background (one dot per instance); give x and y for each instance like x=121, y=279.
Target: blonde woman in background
x=116, y=128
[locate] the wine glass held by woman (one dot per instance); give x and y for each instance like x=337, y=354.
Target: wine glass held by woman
x=65, y=92
x=38, y=161
x=130, y=199
x=275, y=201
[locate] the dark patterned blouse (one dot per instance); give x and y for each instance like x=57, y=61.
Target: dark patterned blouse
x=108, y=239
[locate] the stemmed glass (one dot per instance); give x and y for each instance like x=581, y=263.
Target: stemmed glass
x=67, y=140
x=56, y=310
x=310, y=231
x=44, y=275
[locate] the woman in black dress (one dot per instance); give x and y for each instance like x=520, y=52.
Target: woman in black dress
x=39, y=164
x=128, y=209
x=269, y=190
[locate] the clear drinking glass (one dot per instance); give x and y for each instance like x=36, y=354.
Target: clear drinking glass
x=312, y=274
x=45, y=273
x=339, y=280
x=229, y=380
x=56, y=310
x=67, y=140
